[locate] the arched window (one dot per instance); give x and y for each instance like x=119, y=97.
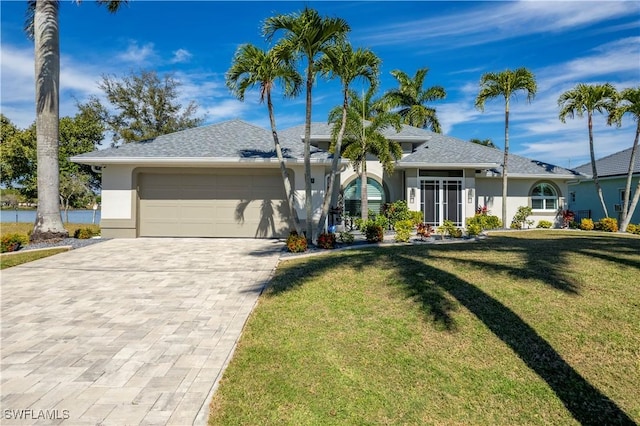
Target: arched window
x=544, y=197
x=375, y=197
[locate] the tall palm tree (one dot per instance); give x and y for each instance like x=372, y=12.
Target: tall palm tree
x=348, y=65
x=42, y=26
x=363, y=135
x=252, y=67
x=307, y=35
x=411, y=100
x=589, y=98
x=629, y=103
x=505, y=84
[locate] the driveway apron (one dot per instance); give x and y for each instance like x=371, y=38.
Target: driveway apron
x=127, y=331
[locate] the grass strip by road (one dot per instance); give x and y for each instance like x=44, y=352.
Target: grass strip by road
x=521, y=328
x=7, y=260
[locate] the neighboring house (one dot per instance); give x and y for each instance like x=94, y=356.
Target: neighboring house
x=223, y=180
x=612, y=174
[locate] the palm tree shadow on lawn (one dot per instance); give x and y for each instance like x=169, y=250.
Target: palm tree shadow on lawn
x=428, y=286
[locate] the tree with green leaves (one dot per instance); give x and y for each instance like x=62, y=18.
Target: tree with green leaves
x=42, y=25
x=484, y=142
x=505, y=84
x=79, y=134
x=629, y=103
x=252, y=67
x=146, y=107
x=364, y=135
x=589, y=98
x=348, y=65
x=411, y=100
x=307, y=35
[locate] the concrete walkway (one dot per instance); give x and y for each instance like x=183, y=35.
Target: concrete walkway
x=127, y=331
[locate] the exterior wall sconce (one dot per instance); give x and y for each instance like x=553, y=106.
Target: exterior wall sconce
x=412, y=195
x=470, y=195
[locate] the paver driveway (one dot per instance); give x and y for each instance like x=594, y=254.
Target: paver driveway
x=127, y=331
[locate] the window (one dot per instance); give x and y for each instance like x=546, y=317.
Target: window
x=544, y=197
x=375, y=197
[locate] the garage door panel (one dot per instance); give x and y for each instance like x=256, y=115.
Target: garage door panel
x=213, y=205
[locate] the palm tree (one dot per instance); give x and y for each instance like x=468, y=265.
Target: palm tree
x=307, y=35
x=411, y=98
x=253, y=66
x=42, y=26
x=629, y=103
x=363, y=135
x=483, y=142
x=343, y=62
x=505, y=84
x=589, y=98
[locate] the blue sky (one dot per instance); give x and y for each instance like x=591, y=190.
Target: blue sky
x=562, y=42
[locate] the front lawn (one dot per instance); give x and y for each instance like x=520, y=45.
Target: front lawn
x=522, y=328
x=7, y=260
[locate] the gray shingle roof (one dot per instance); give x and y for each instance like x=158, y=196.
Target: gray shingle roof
x=235, y=139
x=442, y=150
x=227, y=140
x=612, y=165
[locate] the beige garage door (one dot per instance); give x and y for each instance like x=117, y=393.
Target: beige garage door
x=221, y=203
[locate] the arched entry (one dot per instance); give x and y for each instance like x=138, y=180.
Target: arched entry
x=376, y=196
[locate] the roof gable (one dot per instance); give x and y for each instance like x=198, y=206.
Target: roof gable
x=616, y=164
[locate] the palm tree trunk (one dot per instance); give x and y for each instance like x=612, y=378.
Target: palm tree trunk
x=627, y=211
x=593, y=165
x=48, y=223
x=364, y=196
x=288, y=191
x=307, y=155
x=504, y=165
x=334, y=163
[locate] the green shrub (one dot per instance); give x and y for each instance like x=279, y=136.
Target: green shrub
x=396, y=212
x=373, y=231
x=633, y=229
x=587, y=224
x=346, y=237
x=484, y=221
x=359, y=224
x=520, y=218
x=544, y=224
x=574, y=225
x=13, y=242
x=296, y=243
x=416, y=217
x=609, y=224
x=403, y=230
x=473, y=229
x=448, y=228
x=83, y=233
x=327, y=240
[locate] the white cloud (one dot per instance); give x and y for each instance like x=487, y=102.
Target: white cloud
x=180, y=56
x=493, y=21
x=137, y=54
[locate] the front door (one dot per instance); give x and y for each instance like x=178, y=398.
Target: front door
x=440, y=200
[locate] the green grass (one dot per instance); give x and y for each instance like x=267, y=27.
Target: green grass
x=25, y=228
x=522, y=328
x=18, y=258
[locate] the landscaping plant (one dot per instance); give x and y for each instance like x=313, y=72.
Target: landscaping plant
x=327, y=240
x=13, y=242
x=296, y=243
x=403, y=230
x=545, y=224
x=608, y=224
x=520, y=218
x=587, y=224
x=346, y=237
x=424, y=230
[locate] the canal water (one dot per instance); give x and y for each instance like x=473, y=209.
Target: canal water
x=29, y=216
